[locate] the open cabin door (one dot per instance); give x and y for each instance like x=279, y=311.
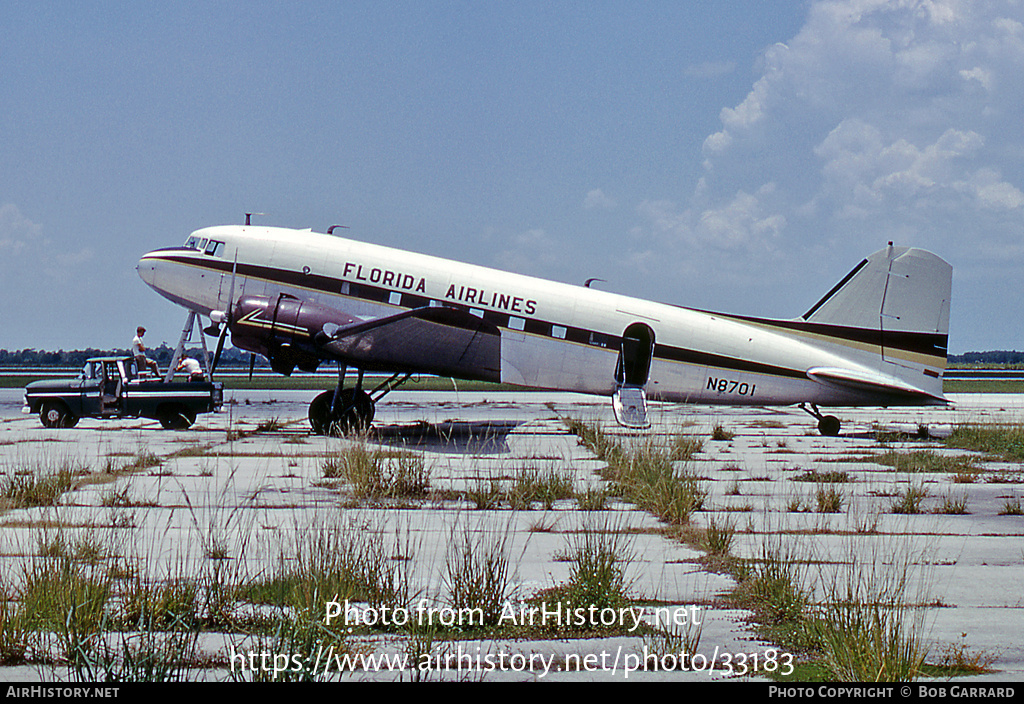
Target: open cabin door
x=629, y=402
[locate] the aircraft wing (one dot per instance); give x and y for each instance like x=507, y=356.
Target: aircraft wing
x=876, y=383
x=442, y=341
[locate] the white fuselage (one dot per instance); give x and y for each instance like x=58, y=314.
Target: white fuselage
x=553, y=335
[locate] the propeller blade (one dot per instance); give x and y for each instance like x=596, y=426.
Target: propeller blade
x=252, y=364
x=231, y=289
x=220, y=348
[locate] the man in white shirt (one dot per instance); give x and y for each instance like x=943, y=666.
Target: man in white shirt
x=192, y=368
x=139, y=352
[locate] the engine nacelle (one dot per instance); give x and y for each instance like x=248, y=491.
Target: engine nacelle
x=283, y=329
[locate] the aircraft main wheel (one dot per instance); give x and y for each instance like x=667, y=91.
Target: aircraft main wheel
x=355, y=413
x=829, y=426
x=177, y=418
x=56, y=415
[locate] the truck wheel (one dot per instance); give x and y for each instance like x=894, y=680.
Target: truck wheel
x=55, y=414
x=177, y=418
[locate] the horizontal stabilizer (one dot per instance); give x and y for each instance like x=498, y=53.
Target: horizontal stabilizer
x=442, y=341
x=876, y=383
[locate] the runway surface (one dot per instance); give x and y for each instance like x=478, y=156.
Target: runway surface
x=245, y=485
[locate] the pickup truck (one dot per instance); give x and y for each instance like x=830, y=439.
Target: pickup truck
x=112, y=387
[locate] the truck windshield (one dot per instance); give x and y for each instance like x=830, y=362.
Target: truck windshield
x=92, y=370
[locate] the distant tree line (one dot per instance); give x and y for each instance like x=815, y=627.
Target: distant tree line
x=994, y=357
x=231, y=356
x=234, y=357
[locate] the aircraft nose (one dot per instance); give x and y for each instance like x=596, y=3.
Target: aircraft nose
x=147, y=269
x=152, y=269
x=156, y=271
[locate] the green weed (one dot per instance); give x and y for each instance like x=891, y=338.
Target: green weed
x=1011, y=507
x=927, y=461
x=600, y=557
x=953, y=505
x=721, y=434
x=909, y=500
x=375, y=474
x=1005, y=441
x=477, y=575
x=829, y=499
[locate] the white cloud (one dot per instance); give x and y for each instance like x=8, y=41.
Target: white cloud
x=878, y=120
x=982, y=76
x=532, y=252
x=25, y=251
x=17, y=233
x=597, y=200
x=992, y=192
x=743, y=223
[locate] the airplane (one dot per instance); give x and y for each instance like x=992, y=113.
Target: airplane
x=300, y=298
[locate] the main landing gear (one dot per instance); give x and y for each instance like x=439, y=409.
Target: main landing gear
x=349, y=411
x=827, y=425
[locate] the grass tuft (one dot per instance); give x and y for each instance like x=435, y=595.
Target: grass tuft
x=1011, y=507
x=646, y=474
x=868, y=630
x=599, y=559
x=953, y=505
x=829, y=499
x=721, y=434
x=42, y=485
x=1005, y=441
x=909, y=500
x=477, y=575
x=928, y=461
x=718, y=538
x=375, y=474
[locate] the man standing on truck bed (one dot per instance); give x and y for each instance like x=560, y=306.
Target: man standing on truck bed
x=139, y=352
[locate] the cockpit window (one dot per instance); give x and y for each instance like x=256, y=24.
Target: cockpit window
x=215, y=248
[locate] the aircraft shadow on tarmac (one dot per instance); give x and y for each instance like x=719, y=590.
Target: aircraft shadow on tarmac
x=465, y=437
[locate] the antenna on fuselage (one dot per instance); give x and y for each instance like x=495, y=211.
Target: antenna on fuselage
x=330, y=230
x=590, y=281
x=248, y=217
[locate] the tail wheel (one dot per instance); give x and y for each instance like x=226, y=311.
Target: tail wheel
x=829, y=426
x=353, y=414
x=177, y=418
x=55, y=414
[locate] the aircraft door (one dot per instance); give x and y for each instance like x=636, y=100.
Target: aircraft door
x=631, y=375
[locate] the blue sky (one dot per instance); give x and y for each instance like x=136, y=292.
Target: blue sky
x=722, y=155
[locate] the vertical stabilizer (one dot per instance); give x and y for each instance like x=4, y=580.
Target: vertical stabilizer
x=893, y=309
